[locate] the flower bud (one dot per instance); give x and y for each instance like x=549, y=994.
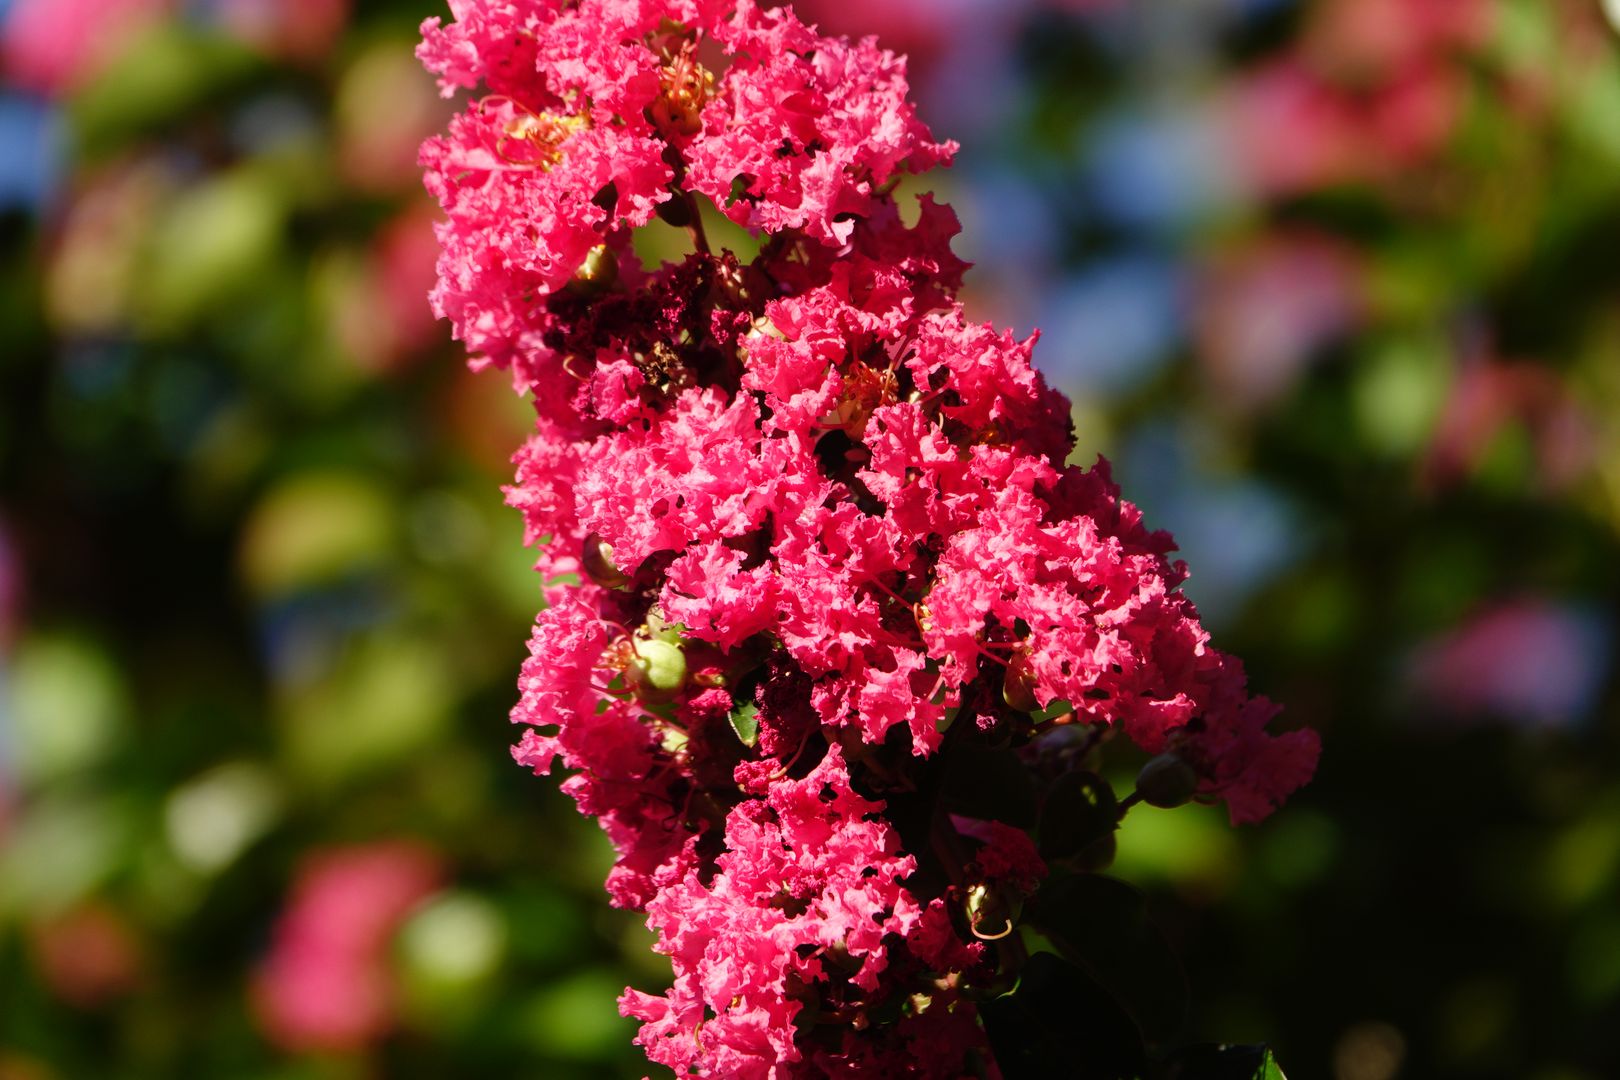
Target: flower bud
x=1018, y=685
x=657, y=668
x=1167, y=781
x=596, y=558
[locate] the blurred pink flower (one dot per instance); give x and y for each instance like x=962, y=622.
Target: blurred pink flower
x=1414, y=114
x=1291, y=129
x=1487, y=397
x=1262, y=310
x=325, y=985
x=1529, y=660
x=296, y=30
x=1374, y=39
x=1288, y=130
x=55, y=46
x=404, y=254
x=385, y=107
x=921, y=29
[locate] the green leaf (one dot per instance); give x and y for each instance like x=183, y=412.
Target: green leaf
x=745, y=722
x=1055, y=708
x=1103, y=926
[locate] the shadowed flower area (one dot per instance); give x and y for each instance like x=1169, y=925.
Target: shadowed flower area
x=1328, y=282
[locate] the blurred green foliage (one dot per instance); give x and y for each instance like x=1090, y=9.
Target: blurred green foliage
x=271, y=602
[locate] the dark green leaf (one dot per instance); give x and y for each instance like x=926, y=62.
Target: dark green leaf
x=1057, y=707
x=1080, y=809
x=1060, y=1022
x=1102, y=925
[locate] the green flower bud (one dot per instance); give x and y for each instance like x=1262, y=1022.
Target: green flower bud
x=1167, y=781
x=658, y=668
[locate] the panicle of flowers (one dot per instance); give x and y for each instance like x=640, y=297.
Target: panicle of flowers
x=806, y=528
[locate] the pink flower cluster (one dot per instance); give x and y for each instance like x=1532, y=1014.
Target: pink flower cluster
x=806, y=527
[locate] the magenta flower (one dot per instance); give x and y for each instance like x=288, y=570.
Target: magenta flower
x=809, y=538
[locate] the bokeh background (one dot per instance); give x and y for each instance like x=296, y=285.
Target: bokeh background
x=1334, y=283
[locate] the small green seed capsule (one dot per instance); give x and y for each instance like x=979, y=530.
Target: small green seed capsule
x=1167, y=781
x=658, y=668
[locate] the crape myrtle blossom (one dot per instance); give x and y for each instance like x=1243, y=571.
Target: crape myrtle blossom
x=806, y=529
